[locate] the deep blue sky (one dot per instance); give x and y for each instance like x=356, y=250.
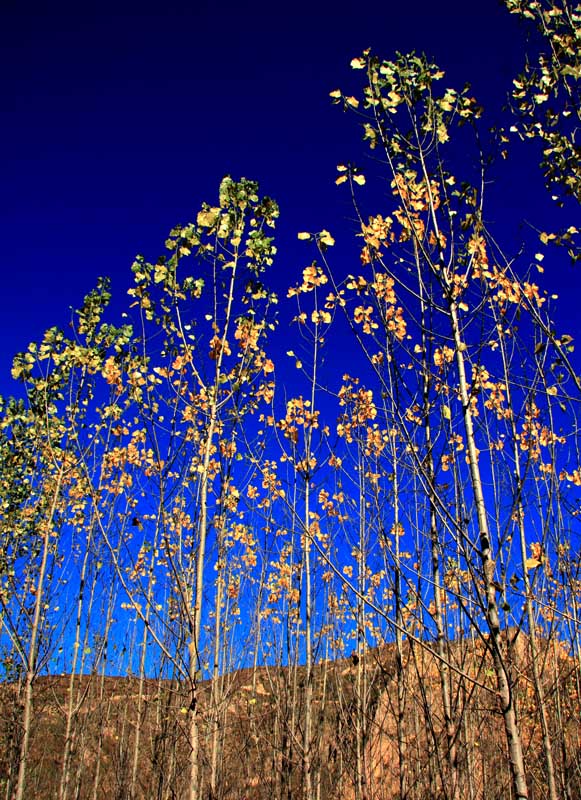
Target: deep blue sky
x=117, y=120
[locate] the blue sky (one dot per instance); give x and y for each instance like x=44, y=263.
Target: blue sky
x=118, y=120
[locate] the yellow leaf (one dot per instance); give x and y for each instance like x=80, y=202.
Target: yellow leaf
x=446, y=413
x=532, y=563
x=341, y=179
x=357, y=63
x=546, y=237
x=207, y=218
x=359, y=179
x=335, y=93
x=352, y=101
x=326, y=238
x=303, y=236
x=341, y=168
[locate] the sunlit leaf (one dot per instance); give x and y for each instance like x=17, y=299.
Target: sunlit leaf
x=208, y=218
x=326, y=238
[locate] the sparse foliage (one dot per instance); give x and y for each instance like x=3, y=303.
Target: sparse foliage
x=310, y=581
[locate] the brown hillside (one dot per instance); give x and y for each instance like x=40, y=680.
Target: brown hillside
x=253, y=725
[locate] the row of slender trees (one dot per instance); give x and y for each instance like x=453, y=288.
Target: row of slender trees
x=317, y=583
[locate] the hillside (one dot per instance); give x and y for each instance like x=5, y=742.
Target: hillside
x=253, y=730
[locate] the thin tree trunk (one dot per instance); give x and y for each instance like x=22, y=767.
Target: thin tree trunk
x=194, y=662
x=32, y=660
x=72, y=707
x=216, y=688
x=565, y=784
x=139, y=711
x=308, y=718
x=442, y=660
x=533, y=644
x=504, y=688
x=400, y=669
